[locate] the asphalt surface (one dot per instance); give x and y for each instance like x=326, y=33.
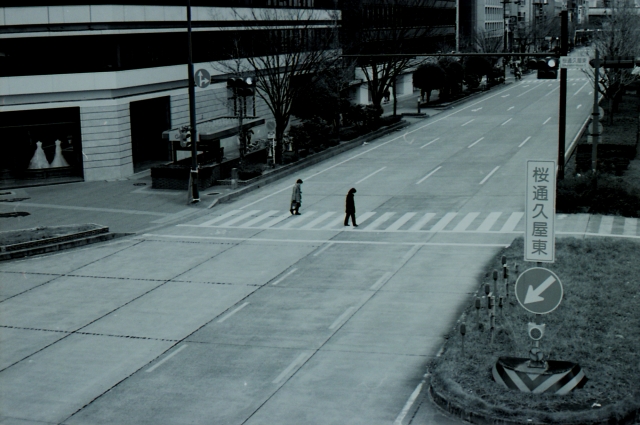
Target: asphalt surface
x=243, y=314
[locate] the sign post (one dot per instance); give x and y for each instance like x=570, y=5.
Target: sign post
x=540, y=211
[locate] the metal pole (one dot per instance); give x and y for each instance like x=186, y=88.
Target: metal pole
x=192, y=114
x=595, y=138
x=562, y=125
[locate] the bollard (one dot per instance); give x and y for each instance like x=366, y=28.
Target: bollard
x=487, y=291
x=234, y=178
x=478, y=305
x=500, y=305
x=493, y=326
x=463, y=330
x=419, y=104
x=495, y=282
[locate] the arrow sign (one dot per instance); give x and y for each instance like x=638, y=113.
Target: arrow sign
x=203, y=78
x=533, y=295
x=539, y=290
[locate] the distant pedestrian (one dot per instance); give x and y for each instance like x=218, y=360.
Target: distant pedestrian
x=387, y=95
x=350, y=208
x=296, y=198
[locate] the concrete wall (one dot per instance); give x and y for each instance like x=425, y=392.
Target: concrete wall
x=106, y=142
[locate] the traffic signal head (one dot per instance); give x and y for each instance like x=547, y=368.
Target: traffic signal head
x=241, y=86
x=535, y=331
x=547, y=68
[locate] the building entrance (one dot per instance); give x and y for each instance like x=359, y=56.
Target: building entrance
x=149, y=118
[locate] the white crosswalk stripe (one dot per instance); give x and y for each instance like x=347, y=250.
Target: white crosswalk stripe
x=389, y=221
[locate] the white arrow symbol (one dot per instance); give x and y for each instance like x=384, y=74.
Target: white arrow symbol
x=533, y=295
x=202, y=80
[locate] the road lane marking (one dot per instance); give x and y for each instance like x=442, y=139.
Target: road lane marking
x=466, y=222
x=557, y=88
x=591, y=92
x=334, y=223
x=473, y=119
x=289, y=273
x=290, y=368
x=259, y=218
x=318, y=220
x=424, y=220
x=239, y=218
x=275, y=221
x=443, y=222
x=511, y=222
x=409, y=403
x=606, y=225
x=510, y=108
x=630, y=226
x=372, y=174
x=399, y=222
x=152, y=368
x=472, y=144
x=378, y=221
x=342, y=318
x=323, y=249
x=546, y=121
x=428, y=175
x=380, y=282
x=233, y=312
x=476, y=110
x=580, y=89
x=489, y=175
x=525, y=92
x=406, y=257
x=579, y=106
x=488, y=222
x=297, y=220
x=506, y=121
x=437, y=138
x=364, y=217
x=506, y=95
x=108, y=210
x=525, y=141
x=222, y=217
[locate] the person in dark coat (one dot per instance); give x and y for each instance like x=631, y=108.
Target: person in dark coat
x=296, y=198
x=350, y=208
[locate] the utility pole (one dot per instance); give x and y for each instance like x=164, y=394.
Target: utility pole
x=562, y=125
x=506, y=34
x=195, y=195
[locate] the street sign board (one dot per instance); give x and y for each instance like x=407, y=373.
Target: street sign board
x=539, y=290
x=574, y=62
x=202, y=78
x=540, y=211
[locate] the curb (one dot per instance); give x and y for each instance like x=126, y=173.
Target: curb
x=61, y=243
x=312, y=160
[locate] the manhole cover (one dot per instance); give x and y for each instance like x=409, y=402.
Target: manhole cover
x=15, y=214
x=214, y=193
x=139, y=184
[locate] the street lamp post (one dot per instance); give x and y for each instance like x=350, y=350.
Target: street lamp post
x=195, y=195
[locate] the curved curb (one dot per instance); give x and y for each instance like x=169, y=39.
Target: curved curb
x=306, y=162
x=470, y=416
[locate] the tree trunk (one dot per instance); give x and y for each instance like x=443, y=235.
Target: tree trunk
x=395, y=99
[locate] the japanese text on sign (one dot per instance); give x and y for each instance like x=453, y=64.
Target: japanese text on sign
x=540, y=205
x=574, y=61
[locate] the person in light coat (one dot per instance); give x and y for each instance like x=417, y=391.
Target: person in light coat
x=296, y=198
x=350, y=208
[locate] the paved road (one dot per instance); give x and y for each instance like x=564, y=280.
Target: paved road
x=247, y=315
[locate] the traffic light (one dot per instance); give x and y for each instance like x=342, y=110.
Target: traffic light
x=185, y=136
x=547, y=68
x=241, y=87
x=535, y=331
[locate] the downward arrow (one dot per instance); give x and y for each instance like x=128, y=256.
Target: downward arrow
x=533, y=295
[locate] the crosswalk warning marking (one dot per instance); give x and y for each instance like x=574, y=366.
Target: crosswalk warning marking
x=364, y=217
x=630, y=226
x=334, y=223
x=488, y=222
x=259, y=218
x=378, y=221
x=297, y=220
x=317, y=220
x=222, y=217
x=512, y=222
x=606, y=225
x=424, y=220
x=239, y=218
x=466, y=222
x=443, y=222
x=399, y=222
x=275, y=221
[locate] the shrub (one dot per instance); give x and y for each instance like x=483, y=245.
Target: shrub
x=250, y=171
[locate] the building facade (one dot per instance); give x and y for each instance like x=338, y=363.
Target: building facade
x=87, y=89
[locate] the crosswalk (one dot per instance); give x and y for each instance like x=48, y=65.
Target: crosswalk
x=429, y=222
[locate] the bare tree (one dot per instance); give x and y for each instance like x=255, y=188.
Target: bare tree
x=282, y=58
x=391, y=26
x=618, y=37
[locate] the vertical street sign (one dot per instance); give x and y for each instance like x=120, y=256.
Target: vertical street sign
x=540, y=211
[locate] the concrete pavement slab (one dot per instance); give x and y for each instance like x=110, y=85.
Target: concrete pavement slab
x=282, y=318
x=67, y=261
x=152, y=260
x=14, y=283
x=171, y=311
x=17, y=344
x=234, y=266
x=196, y=387
x=56, y=382
x=79, y=301
x=358, y=388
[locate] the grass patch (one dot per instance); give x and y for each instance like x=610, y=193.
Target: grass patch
x=597, y=325
x=13, y=237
